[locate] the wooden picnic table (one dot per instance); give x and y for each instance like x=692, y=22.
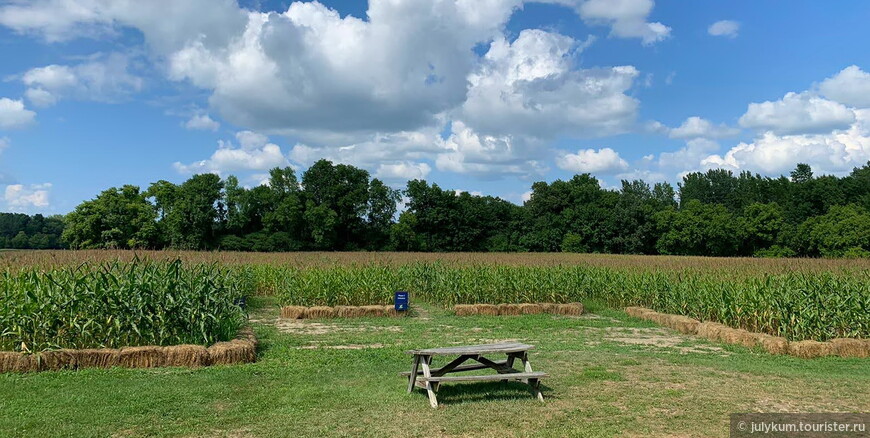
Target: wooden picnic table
x=422, y=375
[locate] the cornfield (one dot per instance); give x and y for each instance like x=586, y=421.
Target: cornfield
x=795, y=298
x=798, y=305
x=120, y=304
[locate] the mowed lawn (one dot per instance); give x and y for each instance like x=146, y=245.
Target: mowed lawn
x=611, y=375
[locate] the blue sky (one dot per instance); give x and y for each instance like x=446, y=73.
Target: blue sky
x=479, y=96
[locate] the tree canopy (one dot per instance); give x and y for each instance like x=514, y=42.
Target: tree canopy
x=340, y=207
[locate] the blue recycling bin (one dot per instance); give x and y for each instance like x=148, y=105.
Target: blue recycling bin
x=401, y=301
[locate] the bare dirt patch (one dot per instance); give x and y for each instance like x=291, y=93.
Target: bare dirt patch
x=658, y=338
x=302, y=327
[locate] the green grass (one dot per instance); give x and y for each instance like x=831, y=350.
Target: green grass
x=602, y=384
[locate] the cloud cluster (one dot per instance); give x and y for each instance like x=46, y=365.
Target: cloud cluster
x=254, y=153
x=102, y=80
x=370, y=91
x=202, y=122
x=22, y=198
x=726, y=28
x=13, y=114
x=601, y=161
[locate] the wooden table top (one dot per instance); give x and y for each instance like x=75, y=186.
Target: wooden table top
x=503, y=347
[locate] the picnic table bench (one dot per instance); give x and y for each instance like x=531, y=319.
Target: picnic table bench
x=422, y=375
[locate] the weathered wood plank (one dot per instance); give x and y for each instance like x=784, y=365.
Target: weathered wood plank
x=412, y=376
x=460, y=368
x=488, y=377
x=427, y=374
x=504, y=347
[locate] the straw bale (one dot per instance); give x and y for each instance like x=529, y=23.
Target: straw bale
x=318, y=312
x=487, y=309
x=573, y=309
x=530, y=309
x=465, y=309
x=373, y=311
x=848, y=347
x=293, y=312
x=9, y=361
x=548, y=307
x=185, y=356
x=509, y=309
x=773, y=344
x=148, y=356
x=349, y=311
x=232, y=352
x=710, y=330
x=97, y=358
x=810, y=349
x=57, y=360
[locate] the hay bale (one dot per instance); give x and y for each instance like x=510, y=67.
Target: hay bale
x=148, y=356
x=684, y=324
x=773, y=344
x=658, y=318
x=247, y=334
x=57, y=360
x=293, y=312
x=637, y=312
x=97, y=358
x=28, y=363
x=509, y=309
x=373, y=311
x=487, y=309
x=390, y=311
x=9, y=361
x=349, y=312
x=320, y=312
x=530, y=309
x=186, y=356
x=548, y=307
x=572, y=309
x=465, y=309
x=232, y=352
x=848, y=347
x=738, y=337
x=810, y=349
x=710, y=330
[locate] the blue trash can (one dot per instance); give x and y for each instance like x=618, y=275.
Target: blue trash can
x=401, y=301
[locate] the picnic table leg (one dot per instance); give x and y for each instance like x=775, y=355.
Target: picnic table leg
x=535, y=384
x=425, y=360
x=412, y=379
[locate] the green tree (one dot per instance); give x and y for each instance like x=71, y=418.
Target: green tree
x=116, y=218
x=844, y=230
x=698, y=229
x=192, y=218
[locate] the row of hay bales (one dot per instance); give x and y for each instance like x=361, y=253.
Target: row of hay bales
x=517, y=309
x=243, y=349
x=318, y=312
x=714, y=331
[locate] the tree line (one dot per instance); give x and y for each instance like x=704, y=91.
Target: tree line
x=340, y=207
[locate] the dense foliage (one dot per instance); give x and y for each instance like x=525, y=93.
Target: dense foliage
x=20, y=231
x=339, y=207
x=796, y=305
x=120, y=304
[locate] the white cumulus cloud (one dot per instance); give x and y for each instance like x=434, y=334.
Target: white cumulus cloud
x=726, y=28
x=851, y=86
x=528, y=87
x=13, y=114
x=202, y=122
x=21, y=198
x=601, y=161
x=254, y=153
x=405, y=170
x=696, y=127
x=798, y=113
x=102, y=80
